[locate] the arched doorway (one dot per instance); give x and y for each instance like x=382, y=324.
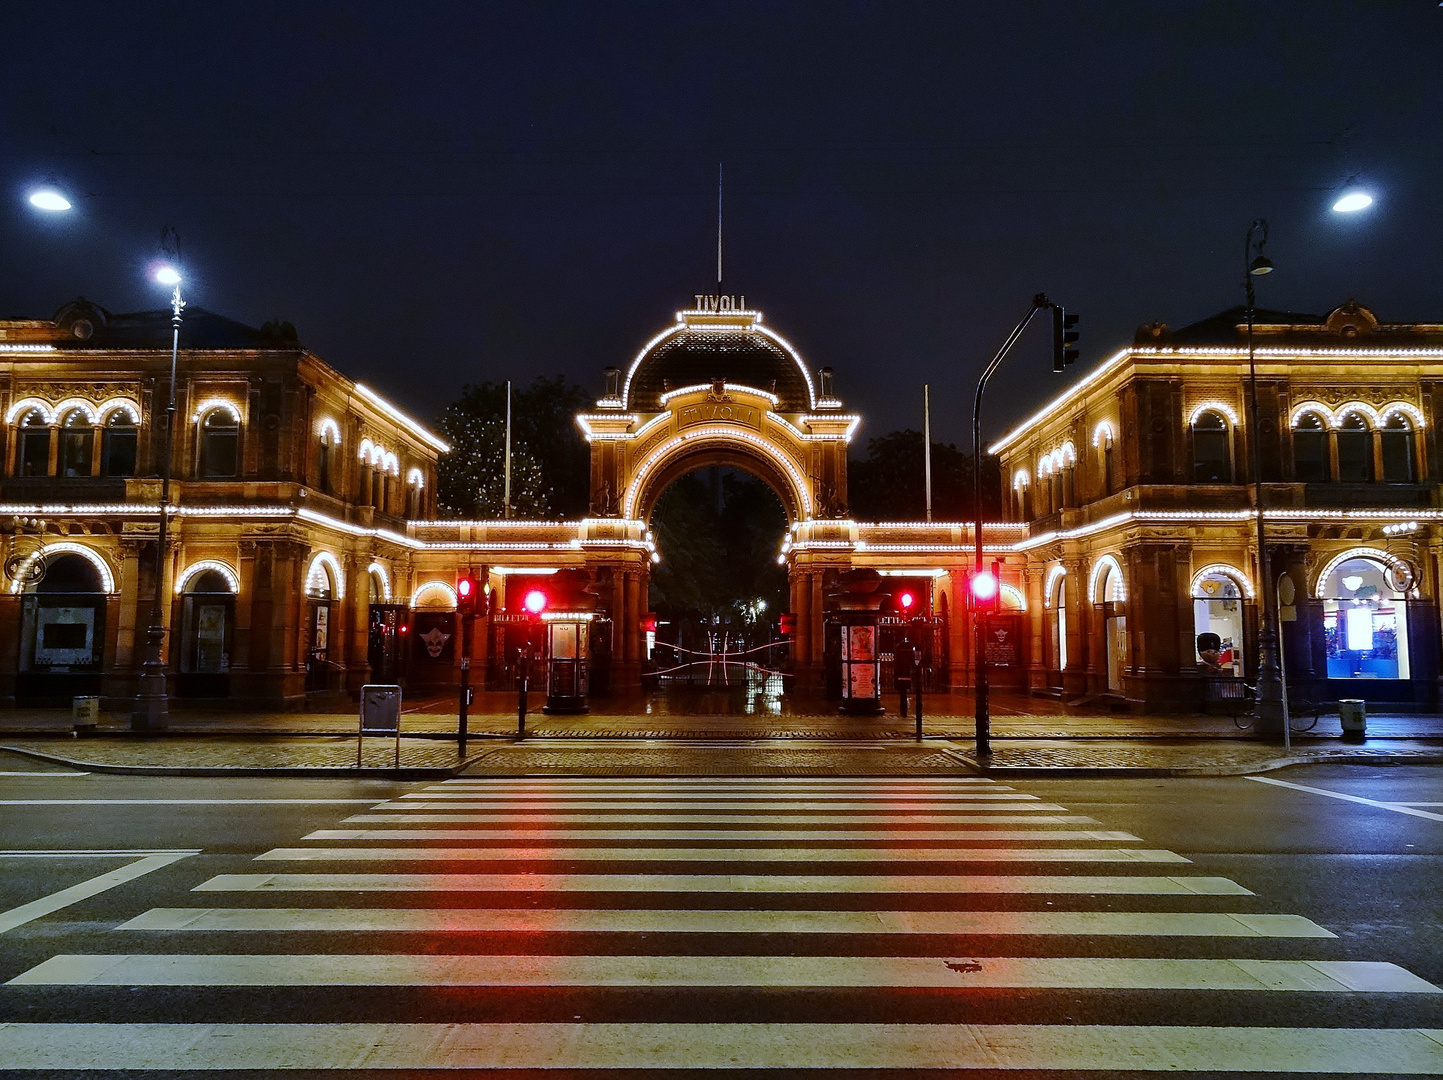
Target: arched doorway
x=207, y=620
x=323, y=590
x=718, y=590
x=62, y=623
x=1365, y=617
x=1109, y=596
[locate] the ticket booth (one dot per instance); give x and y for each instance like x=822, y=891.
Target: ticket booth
x=568, y=649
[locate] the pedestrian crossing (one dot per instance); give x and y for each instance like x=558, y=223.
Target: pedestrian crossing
x=589, y=923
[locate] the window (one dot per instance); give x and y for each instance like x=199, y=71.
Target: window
x=1399, y=462
x=32, y=456
x=324, y=462
x=1217, y=608
x=77, y=444
x=209, y=607
x=219, y=444
x=414, y=487
x=1107, y=476
x=117, y=445
x=1310, y=449
x=1365, y=622
x=1211, y=454
x=1355, y=450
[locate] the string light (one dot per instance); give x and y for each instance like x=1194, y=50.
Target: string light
x=195, y=569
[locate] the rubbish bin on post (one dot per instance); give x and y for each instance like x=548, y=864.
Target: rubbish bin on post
x=85, y=713
x=1353, y=712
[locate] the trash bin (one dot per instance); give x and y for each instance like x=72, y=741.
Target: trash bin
x=1353, y=712
x=85, y=713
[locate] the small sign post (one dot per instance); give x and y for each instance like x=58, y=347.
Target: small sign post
x=380, y=715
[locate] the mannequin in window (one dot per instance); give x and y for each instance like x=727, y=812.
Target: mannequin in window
x=1209, y=650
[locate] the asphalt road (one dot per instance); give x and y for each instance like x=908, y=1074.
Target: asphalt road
x=1070, y=927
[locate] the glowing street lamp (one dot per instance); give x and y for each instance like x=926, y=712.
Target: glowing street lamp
x=152, y=706
x=50, y=200
x=1352, y=201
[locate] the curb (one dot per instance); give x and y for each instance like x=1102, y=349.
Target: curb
x=299, y=771
x=1043, y=772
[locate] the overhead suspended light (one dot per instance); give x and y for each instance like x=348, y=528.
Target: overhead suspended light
x=49, y=200
x=1353, y=201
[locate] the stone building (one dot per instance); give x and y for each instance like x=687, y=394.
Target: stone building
x=1135, y=488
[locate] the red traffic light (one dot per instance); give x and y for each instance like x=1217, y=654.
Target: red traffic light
x=905, y=601
x=648, y=623
x=535, y=602
x=464, y=588
x=788, y=623
x=466, y=595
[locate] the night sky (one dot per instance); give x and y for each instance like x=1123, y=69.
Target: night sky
x=443, y=193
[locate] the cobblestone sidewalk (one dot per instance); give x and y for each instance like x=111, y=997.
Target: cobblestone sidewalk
x=220, y=754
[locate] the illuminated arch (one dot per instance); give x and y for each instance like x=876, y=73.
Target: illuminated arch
x=1102, y=434
x=1013, y=598
x=1222, y=408
x=69, y=405
x=416, y=478
x=1020, y=479
x=119, y=404
x=65, y=547
x=363, y=452
x=432, y=586
x=210, y=405
x=1310, y=408
x=24, y=405
x=1355, y=408
x=1049, y=587
x=756, y=446
x=323, y=562
x=391, y=463
x=377, y=570
x=1387, y=558
x=1066, y=454
x=1119, y=589
x=1237, y=577
x=1393, y=408
x=331, y=428
x=195, y=569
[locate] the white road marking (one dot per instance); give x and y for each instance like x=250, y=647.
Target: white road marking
x=46, y=905
x=756, y=784
x=38, y=774
x=635, y=817
x=774, y=800
x=92, y=853
x=177, y=802
x=877, y=972
x=694, y=854
x=638, y=1046
x=1396, y=803
x=1397, y=808
x=921, y=836
x=1069, y=884
x=743, y=921
x=732, y=809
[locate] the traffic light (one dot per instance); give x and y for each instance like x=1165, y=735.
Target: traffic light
x=983, y=587
x=467, y=596
x=787, y=624
x=535, y=603
x=1064, y=338
x=906, y=601
x=648, y=623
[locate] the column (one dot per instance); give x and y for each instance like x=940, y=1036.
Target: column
x=129, y=641
x=633, y=613
x=818, y=636
x=1074, y=677
x=1036, y=629
x=802, y=608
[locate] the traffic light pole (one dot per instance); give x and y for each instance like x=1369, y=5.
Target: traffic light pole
x=983, y=713
x=466, y=620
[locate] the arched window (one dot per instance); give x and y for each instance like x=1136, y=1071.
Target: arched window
x=323, y=461
x=77, y=443
x=1055, y=602
x=1310, y=449
x=219, y=444
x=208, y=614
x=118, y=445
x=1211, y=449
x=1217, y=608
x=1355, y=450
x=32, y=455
x=415, y=485
x=1105, y=450
x=64, y=617
x=1365, y=621
x=1399, y=460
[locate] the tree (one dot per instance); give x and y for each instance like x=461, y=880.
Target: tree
x=550, y=461
x=889, y=485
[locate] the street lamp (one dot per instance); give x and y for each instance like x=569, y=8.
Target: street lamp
x=50, y=200
x=1353, y=201
x=1270, y=683
x=152, y=707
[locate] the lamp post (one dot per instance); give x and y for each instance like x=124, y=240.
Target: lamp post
x=152, y=707
x=1270, y=683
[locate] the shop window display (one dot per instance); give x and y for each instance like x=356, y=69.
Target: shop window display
x=1365, y=622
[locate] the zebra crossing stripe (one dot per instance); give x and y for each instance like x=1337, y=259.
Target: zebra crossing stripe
x=919, y=836
x=812, y=799
x=842, y=972
x=1069, y=884
x=744, y=921
x=710, y=854
x=633, y=817
x=637, y=1046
